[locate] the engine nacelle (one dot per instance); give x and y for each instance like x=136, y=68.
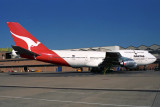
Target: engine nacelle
x=127, y=62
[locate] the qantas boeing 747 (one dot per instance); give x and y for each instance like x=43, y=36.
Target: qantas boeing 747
x=29, y=47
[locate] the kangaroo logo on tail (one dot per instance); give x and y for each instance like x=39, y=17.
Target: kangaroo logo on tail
x=29, y=41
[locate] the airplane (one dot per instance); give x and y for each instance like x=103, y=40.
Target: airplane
x=27, y=46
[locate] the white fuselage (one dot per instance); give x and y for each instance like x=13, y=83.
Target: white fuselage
x=94, y=58
x=81, y=58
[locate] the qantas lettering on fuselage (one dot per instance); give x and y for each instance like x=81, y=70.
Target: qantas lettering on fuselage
x=138, y=55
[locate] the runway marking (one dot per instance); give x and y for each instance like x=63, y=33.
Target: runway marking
x=69, y=92
x=75, y=102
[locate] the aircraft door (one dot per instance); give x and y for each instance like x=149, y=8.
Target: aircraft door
x=87, y=58
x=73, y=57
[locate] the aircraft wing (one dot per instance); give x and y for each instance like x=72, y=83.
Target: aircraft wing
x=111, y=58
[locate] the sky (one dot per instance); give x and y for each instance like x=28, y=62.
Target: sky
x=69, y=24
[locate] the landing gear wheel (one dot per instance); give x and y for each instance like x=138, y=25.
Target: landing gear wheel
x=96, y=70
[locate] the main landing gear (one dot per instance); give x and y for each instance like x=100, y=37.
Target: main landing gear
x=101, y=70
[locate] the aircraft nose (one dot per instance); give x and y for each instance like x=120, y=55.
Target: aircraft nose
x=153, y=58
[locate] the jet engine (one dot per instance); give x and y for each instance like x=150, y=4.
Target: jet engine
x=127, y=62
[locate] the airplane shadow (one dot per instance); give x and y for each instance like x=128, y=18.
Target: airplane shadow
x=67, y=74
x=52, y=74
x=89, y=89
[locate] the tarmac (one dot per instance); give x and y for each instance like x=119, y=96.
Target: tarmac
x=74, y=89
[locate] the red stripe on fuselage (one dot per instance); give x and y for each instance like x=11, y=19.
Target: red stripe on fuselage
x=52, y=57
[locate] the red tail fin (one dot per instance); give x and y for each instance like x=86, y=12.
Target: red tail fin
x=24, y=39
x=29, y=47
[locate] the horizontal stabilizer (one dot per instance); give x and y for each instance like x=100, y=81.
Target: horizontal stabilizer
x=21, y=51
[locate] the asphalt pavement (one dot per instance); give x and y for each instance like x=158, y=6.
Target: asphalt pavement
x=73, y=89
